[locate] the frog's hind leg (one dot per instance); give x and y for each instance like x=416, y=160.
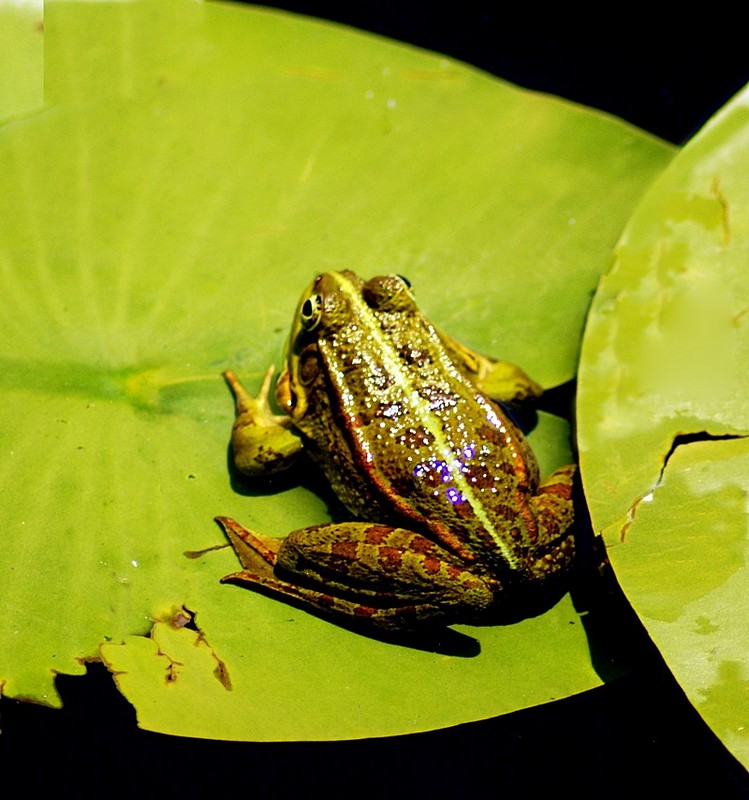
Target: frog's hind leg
x=555, y=514
x=343, y=610
x=390, y=578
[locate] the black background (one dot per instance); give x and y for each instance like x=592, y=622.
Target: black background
x=664, y=74
x=635, y=736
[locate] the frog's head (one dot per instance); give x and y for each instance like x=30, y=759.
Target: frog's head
x=334, y=309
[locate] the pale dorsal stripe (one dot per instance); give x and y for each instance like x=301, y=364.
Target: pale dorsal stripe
x=421, y=411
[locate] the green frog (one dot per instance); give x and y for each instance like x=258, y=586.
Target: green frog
x=450, y=520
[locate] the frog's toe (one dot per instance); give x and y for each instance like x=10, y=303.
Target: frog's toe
x=251, y=548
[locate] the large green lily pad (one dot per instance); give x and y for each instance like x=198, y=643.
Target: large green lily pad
x=193, y=166
x=663, y=414
x=22, y=48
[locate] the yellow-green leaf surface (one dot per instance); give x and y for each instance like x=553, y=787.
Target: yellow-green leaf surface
x=22, y=59
x=194, y=165
x=663, y=413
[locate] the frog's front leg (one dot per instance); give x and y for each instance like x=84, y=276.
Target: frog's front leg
x=500, y=380
x=389, y=577
x=262, y=442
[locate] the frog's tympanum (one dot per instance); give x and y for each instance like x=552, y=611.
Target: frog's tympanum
x=451, y=523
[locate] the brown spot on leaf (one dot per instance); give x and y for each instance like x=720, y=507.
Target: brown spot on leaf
x=172, y=671
x=221, y=674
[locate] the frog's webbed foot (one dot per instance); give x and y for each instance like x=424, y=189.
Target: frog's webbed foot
x=262, y=442
x=256, y=553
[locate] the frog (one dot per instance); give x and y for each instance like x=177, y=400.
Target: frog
x=446, y=518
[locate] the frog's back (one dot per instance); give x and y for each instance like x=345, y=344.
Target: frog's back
x=424, y=443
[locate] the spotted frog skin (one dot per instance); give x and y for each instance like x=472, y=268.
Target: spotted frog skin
x=450, y=522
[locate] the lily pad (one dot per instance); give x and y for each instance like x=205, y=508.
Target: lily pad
x=194, y=165
x=663, y=415
x=22, y=48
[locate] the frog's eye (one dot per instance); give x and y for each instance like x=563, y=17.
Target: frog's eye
x=388, y=293
x=310, y=312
